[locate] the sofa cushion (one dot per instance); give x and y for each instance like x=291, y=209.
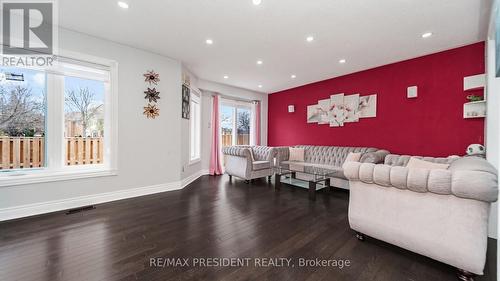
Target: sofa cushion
x=421, y=164
x=261, y=165
x=330, y=155
x=402, y=160
x=296, y=154
x=374, y=157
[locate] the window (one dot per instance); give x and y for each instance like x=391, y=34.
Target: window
x=83, y=121
x=235, y=123
x=195, y=126
x=22, y=118
x=56, y=123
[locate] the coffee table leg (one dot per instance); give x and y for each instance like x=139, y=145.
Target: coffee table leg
x=277, y=181
x=312, y=191
x=327, y=185
x=294, y=175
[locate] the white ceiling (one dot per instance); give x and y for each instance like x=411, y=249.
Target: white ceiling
x=367, y=33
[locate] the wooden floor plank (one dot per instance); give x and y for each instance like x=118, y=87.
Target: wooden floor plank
x=212, y=217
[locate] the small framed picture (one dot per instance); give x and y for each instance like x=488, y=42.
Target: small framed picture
x=185, y=102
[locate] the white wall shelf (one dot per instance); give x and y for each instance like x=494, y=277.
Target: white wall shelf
x=475, y=109
x=475, y=82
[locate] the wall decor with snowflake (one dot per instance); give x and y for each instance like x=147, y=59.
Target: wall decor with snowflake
x=340, y=109
x=151, y=110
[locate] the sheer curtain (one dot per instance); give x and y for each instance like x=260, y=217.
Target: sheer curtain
x=215, y=152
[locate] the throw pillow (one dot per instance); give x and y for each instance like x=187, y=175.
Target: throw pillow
x=296, y=154
x=353, y=157
x=421, y=164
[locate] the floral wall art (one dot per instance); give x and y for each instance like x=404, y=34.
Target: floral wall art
x=324, y=107
x=151, y=110
x=313, y=112
x=340, y=109
x=351, y=108
x=368, y=106
x=336, y=111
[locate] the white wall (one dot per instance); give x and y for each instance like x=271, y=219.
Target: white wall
x=153, y=155
x=209, y=88
x=148, y=150
x=189, y=171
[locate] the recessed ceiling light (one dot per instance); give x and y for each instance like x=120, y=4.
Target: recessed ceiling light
x=256, y=2
x=226, y=77
x=260, y=86
x=209, y=41
x=259, y=62
x=427, y=35
x=293, y=76
x=310, y=38
x=123, y=5
x=342, y=61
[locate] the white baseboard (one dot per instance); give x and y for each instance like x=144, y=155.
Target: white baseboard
x=71, y=203
x=186, y=181
x=59, y=205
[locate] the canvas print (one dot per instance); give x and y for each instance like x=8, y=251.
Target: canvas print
x=313, y=112
x=367, y=106
x=336, y=110
x=351, y=105
x=324, y=106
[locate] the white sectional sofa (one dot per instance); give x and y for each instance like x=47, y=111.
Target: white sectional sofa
x=439, y=213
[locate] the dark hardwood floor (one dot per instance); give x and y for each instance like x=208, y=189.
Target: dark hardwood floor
x=209, y=218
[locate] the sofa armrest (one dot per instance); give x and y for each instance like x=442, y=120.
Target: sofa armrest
x=282, y=154
x=469, y=184
x=374, y=157
x=238, y=161
x=264, y=153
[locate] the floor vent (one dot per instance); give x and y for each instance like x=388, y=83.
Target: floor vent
x=81, y=209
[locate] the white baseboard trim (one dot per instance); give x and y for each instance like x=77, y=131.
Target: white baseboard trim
x=59, y=205
x=186, y=181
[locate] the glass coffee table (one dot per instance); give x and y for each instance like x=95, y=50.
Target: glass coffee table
x=313, y=177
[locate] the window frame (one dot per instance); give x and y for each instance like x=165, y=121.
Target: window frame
x=55, y=169
x=195, y=97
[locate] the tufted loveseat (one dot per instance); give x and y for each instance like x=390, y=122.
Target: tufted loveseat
x=331, y=157
x=249, y=162
x=439, y=213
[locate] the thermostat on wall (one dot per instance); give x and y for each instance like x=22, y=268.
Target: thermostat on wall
x=411, y=92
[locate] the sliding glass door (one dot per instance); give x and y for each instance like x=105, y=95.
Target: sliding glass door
x=236, y=123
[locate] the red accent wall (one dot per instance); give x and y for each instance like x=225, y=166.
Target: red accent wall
x=430, y=125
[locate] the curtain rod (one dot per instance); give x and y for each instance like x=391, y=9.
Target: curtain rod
x=235, y=99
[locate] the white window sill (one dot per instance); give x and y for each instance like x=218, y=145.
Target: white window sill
x=41, y=176
x=194, y=161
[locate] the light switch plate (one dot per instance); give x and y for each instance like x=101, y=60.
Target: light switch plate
x=412, y=92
